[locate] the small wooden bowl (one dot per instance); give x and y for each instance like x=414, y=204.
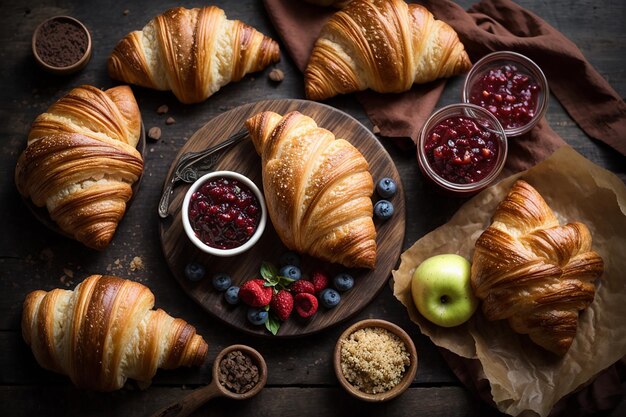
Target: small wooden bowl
x=257, y=359
x=407, y=378
x=78, y=65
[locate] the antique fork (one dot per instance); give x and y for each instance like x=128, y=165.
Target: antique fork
x=192, y=165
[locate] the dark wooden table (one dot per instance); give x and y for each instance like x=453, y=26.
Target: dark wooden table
x=301, y=379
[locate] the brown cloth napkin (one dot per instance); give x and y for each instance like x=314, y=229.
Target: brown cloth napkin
x=488, y=26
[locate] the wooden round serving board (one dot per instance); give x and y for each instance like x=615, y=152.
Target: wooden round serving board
x=242, y=158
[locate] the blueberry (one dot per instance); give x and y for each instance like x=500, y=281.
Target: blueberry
x=386, y=187
x=329, y=298
x=194, y=271
x=257, y=316
x=232, y=295
x=343, y=282
x=383, y=209
x=221, y=281
x=290, y=258
x=290, y=271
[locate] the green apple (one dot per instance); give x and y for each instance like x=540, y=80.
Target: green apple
x=442, y=292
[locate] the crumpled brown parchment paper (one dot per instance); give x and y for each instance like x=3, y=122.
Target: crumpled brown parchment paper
x=524, y=378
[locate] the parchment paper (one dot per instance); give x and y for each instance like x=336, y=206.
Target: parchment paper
x=525, y=379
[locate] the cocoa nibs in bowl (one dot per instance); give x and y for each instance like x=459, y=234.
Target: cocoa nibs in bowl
x=238, y=373
x=61, y=42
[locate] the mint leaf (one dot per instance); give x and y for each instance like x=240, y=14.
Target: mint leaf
x=268, y=271
x=272, y=281
x=272, y=324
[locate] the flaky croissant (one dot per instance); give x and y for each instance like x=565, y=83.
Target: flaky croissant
x=81, y=161
x=384, y=45
x=105, y=331
x=317, y=189
x=193, y=52
x=533, y=272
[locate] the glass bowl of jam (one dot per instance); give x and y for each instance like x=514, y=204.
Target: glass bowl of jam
x=224, y=213
x=462, y=148
x=512, y=87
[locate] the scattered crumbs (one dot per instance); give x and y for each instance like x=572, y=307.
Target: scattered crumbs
x=376, y=130
x=46, y=255
x=117, y=262
x=276, y=75
x=154, y=133
x=68, y=272
x=125, y=12
x=162, y=109
x=136, y=264
x=151, y=149
x=109, y=268
x=170, y=121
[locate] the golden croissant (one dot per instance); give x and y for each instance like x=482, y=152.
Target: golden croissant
x=81, y=161
x=533, y=272
x=106, y=331
x=384, y=45
x=317, y=189
x=193, y=52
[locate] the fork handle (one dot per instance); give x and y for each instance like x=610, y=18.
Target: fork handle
x=164, y=203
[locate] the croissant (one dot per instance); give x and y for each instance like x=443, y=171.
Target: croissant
x=384, y=45
x=317, y=189
x=193, y=52
x=105, y=332
x=81, y=161
x=533, y=272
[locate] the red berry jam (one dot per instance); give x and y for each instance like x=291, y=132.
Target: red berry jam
x=461, y=151
x=507, y=93
x=224, y=213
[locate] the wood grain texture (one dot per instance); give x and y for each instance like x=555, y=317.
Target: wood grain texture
x=242, y=158
x=300, y=371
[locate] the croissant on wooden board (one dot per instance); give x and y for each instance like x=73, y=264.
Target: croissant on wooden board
x=317, y=189
x=193, y=52
x=81, y=161
x=384, y=45
x=105, y=331
x=533, y=272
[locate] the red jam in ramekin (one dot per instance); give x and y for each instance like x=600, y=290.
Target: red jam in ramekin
x=461, y=151
x=224, y=213
x=510, y=86
x=507, y=93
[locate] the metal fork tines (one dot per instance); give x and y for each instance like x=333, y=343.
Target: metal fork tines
x=192, y=165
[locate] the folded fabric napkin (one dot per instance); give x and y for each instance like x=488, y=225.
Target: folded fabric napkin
x=488, y=26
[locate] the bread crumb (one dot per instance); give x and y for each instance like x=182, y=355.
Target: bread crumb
x=136, y=264
x=374, y=359
x=170, y=121
x=154, y=133
x=162, y=109
x=68, y=272
x=376, y=130
x=126, y=12
x=276, y=75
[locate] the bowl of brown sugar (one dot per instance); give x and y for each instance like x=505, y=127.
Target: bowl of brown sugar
x=375, y=360
x=61, y=45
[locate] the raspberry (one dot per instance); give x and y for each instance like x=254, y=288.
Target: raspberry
x=282, y=304
x=302, y=286
x=305, y=304
x=319, y=280
x=255, y=294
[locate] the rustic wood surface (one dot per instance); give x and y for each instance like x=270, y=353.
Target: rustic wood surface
x=179, y=251
x=301, y=379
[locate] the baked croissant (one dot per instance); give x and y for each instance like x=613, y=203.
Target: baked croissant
x=533, y=272
x=193, y=52
x=81, y=161
x=384, y=45
x=105, y=331
x=317, y=189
